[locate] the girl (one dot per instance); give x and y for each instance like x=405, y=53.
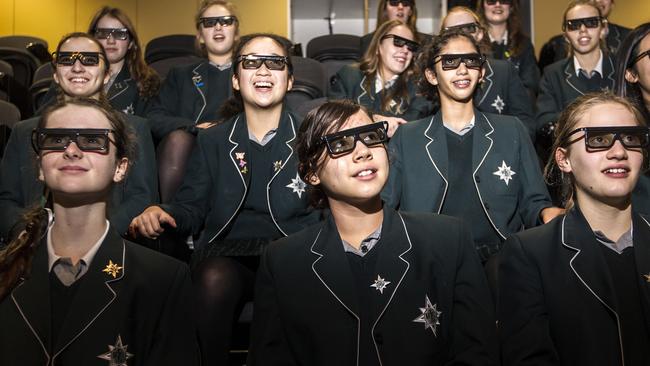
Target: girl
x=384, y=81
x=72, y=291
x=394, y=288
x=575, y=291
x=241, y=190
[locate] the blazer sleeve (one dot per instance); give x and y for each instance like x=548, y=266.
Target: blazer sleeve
x=340, y=87
x=524, y=331
x=11, y=186
x=473, y=328
x=269, y=346
x=163, y=112
x=419, y=106
x=392, y=191
x=521, y=106
x=548, y=107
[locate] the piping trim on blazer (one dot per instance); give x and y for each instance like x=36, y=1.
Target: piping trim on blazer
x=569, y=74
x=488, y=77
x=618, y=322
x=107, y=283
x=408, y=265
x=200, y=92
x=268, y=185
x=426, y=147
x=333, y=294
x=20, y=310
x=234, y=125
x=121, y=91
x=362, y=88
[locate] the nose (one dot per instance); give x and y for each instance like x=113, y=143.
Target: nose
x=77, y=66
x=462, y=69
x=617, y=151
x=263, y=70
x=362, y=152
x=110, y=39
x=72, y=151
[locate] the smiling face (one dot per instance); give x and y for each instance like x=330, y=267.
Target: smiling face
x=497, y=13
x=220, y=39
x=604, y=176
x=640, y=71
x=394, y=60
x=79, y=80
x=261, y=87
x=116, y=49
x=399, y=12
x=584, y=40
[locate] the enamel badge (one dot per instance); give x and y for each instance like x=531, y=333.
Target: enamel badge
x=112, y=269
x=297, y=185
x=197, y=80
x=504, y=172
x=129, y=109
x=380, y=284
x=117, y=354
x=647, y=277
x=430, y=316
x=498, y=104
x=277, y=165
x=241, y=162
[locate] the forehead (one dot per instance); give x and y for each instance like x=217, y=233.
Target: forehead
x=216, y=11
x=358, y=119
x=607, y=114
x=644, y=45
x=402, y=31
x=457, y=18
x=458, y=45
x=74, y=116
x=79, y=44
x=108, y=21
x=262, y=46
x=582, y=11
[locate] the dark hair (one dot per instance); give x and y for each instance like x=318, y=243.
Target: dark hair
x=327, y=118
x=106, y=65
x=16, y=257
x=567, y=121
x=235, y=105
x=430, y=53
x=205, y=5
x=628, y=52
x=516, y=36
x=382, y=17
x=147, y=80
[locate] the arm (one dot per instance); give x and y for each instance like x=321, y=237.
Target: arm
x=528, y=70
x=519, y=102
x=339, y=85
x=524, y=331
x=419, y=106
x=163, y=112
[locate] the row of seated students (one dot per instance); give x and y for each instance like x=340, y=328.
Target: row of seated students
x=256, y=178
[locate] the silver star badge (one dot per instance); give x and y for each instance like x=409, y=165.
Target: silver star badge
x=498, y=104
x=117, y=354
x=430, y=316
x=504, y=172
x=380, y=284
x=297, y=185
x=129, y=109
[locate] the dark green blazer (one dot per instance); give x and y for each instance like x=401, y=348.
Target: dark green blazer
x=307, y=306
x=147, y=304
x=20, y=188
x=419, y=170
x=525, y=63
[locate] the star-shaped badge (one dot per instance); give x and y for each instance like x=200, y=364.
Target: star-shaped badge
x=498, y=104
x=297, y=185
x=430, y=316
x=647, y=277
x=504, y=172
x=129, y=109
x=380, y=284
x=112, y=269
x=117, y=354
x=277, y=165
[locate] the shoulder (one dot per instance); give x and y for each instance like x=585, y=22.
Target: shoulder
x=290, y=246
x=431, y=223
x=499, y=121
x=186, y=70
x=351, y=70
x=539, y=238
x=415, y=127
x=219, y=131
x=557, y=67
x=26, y=126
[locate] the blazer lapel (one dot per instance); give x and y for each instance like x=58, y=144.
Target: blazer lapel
x=200, y=80
x=364, y=97
x=282, y=149
x=486, y=84
x=608, y=70
x=437, y=151
x=95, y=293
x=238, y=153
x=120, y=85
x=642, y=256
x=570, y=77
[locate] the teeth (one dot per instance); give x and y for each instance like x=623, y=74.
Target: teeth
x=365, y=173
x=615, y=171
x=462, y=82
x=263, y=84
x=79, y=80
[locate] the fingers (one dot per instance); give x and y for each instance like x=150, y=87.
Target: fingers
x=205, y=125
x=149, y=223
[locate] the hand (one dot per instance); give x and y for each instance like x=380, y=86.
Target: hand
x=549, y=213
x=148, y=223
x=393, y=123
x=205, y=125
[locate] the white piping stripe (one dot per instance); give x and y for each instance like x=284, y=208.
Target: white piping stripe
x=426, y=148
x=20, y=310
x=200, y=92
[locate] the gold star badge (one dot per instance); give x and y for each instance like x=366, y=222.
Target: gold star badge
x=647, y=277
x=112, y=269
x=277, y=165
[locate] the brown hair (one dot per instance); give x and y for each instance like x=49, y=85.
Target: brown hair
x=567, y=121
x=327, y=118
x=382, y=16
x=516, y=36
x=147, y=80
x=370, y=66
x=16, y=257
x=205, y=5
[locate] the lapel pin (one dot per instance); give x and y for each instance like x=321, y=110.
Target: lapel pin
x=198, y=80
x=241, y=162
x=277, y=165
x=430, y=316
x=112, y=269
x=498, y=104
x=380, y=284
x=647, y=277
x=297, y=185
x=504, y=172
x=117, y=354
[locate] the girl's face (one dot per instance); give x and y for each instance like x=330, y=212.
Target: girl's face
x=584, y=40
x=461, y=17
x=394, y=60
x=402, y=11
x=355, y=177
x=116, y=49
x=75, y=172
x=220, y=39
x=640, y=71
x=262, y=87
x=455, y=84
x=81, y=80
x=497, y=13
x=605, y=176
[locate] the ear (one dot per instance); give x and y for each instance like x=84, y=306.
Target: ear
x=199, y=38
x=235, y=82
x=107, y=76
x=41, y=176
x=562, y=160
x=431, y=76
x=290, y=83
x=313, y=179
x=481, y=75
x=56, y=77
x=631, y=76
x=120, y=170
x=604, y=30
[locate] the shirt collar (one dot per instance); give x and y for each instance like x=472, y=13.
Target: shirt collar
x=221, y=67
x=468, y=127
x=625, y=241
x=369, y=243
x=380, y=84
x=503, y=40
x=52, y=257
x=598, y=68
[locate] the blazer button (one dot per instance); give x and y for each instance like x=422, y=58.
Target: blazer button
x=478, y=179
x=379, y=339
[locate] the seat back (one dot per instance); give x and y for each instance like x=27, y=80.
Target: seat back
x=174, y=45
x=45, y=71
x=9, y=114
x=163, y=66
x=23, y=63
x=21, y=42
x=6, y=68
x=334, y=46
x=309, y=77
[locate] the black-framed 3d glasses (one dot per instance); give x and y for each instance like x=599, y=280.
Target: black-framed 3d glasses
x=69, y=58
x=58, y=139
x=224, y=21
x=575, y=24
x=502, y=2
x=603, y=138
x=639, y=57
x=403, y=2
x=344, y=142
x=272, y=62
x=467, y=28
x=117, y=33
x=401, y=42
x=452, y=61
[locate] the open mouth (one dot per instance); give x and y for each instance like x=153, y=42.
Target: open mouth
x=616, y=172
x=219, y=37
x=464, y=83
x=78, y=80
x=365, y=173
x=263, y=85
x=584, y=40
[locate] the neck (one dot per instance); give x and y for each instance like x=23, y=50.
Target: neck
x=220, y=59
x=77, y=229
x=384, y=75
x=588, y=61
x=498, y=30
x=116, y=67
x=355, y=222
x=456, y=114
x=612, y=219
x=260, y=121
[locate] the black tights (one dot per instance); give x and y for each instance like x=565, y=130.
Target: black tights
x=222, y=286
x=173, y=154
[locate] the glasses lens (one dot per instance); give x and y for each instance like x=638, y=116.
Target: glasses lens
x=371, y=138
x=274, y=64
x=251, y=63
x=473, y=61
x=450, y=62
x=599, y=139
x=102, y=33
x=341, y=144
x=117, y=33
x=208, y=22
x=591, y=22
x=398, y=42
x=89, y=141
x=226, y=21
x=403, y=2
x=53, y=141
x=89, y=59
x=65, y=58
x=469, y=28
x=575, y=24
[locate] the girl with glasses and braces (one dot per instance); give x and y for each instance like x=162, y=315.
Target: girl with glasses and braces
x=241, y=190
x=575, y=291
x=384, y=80
x=81, y=70
x=480, y=167
x=394, y=288
x=72, y=291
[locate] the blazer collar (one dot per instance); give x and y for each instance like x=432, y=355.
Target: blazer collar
x=121, y=83
x=578, y=84
x=200, y=82
x=486, y=84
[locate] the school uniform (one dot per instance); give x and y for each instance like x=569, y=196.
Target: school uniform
x=20, y=187
x=348, y=83
x=218, y=188
x=565, y=298
x=421, y=38
x=524, y=62
x=191, y=94
x=415, y=301
x=131, y=307
x=561, y=85
x=493, y=179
